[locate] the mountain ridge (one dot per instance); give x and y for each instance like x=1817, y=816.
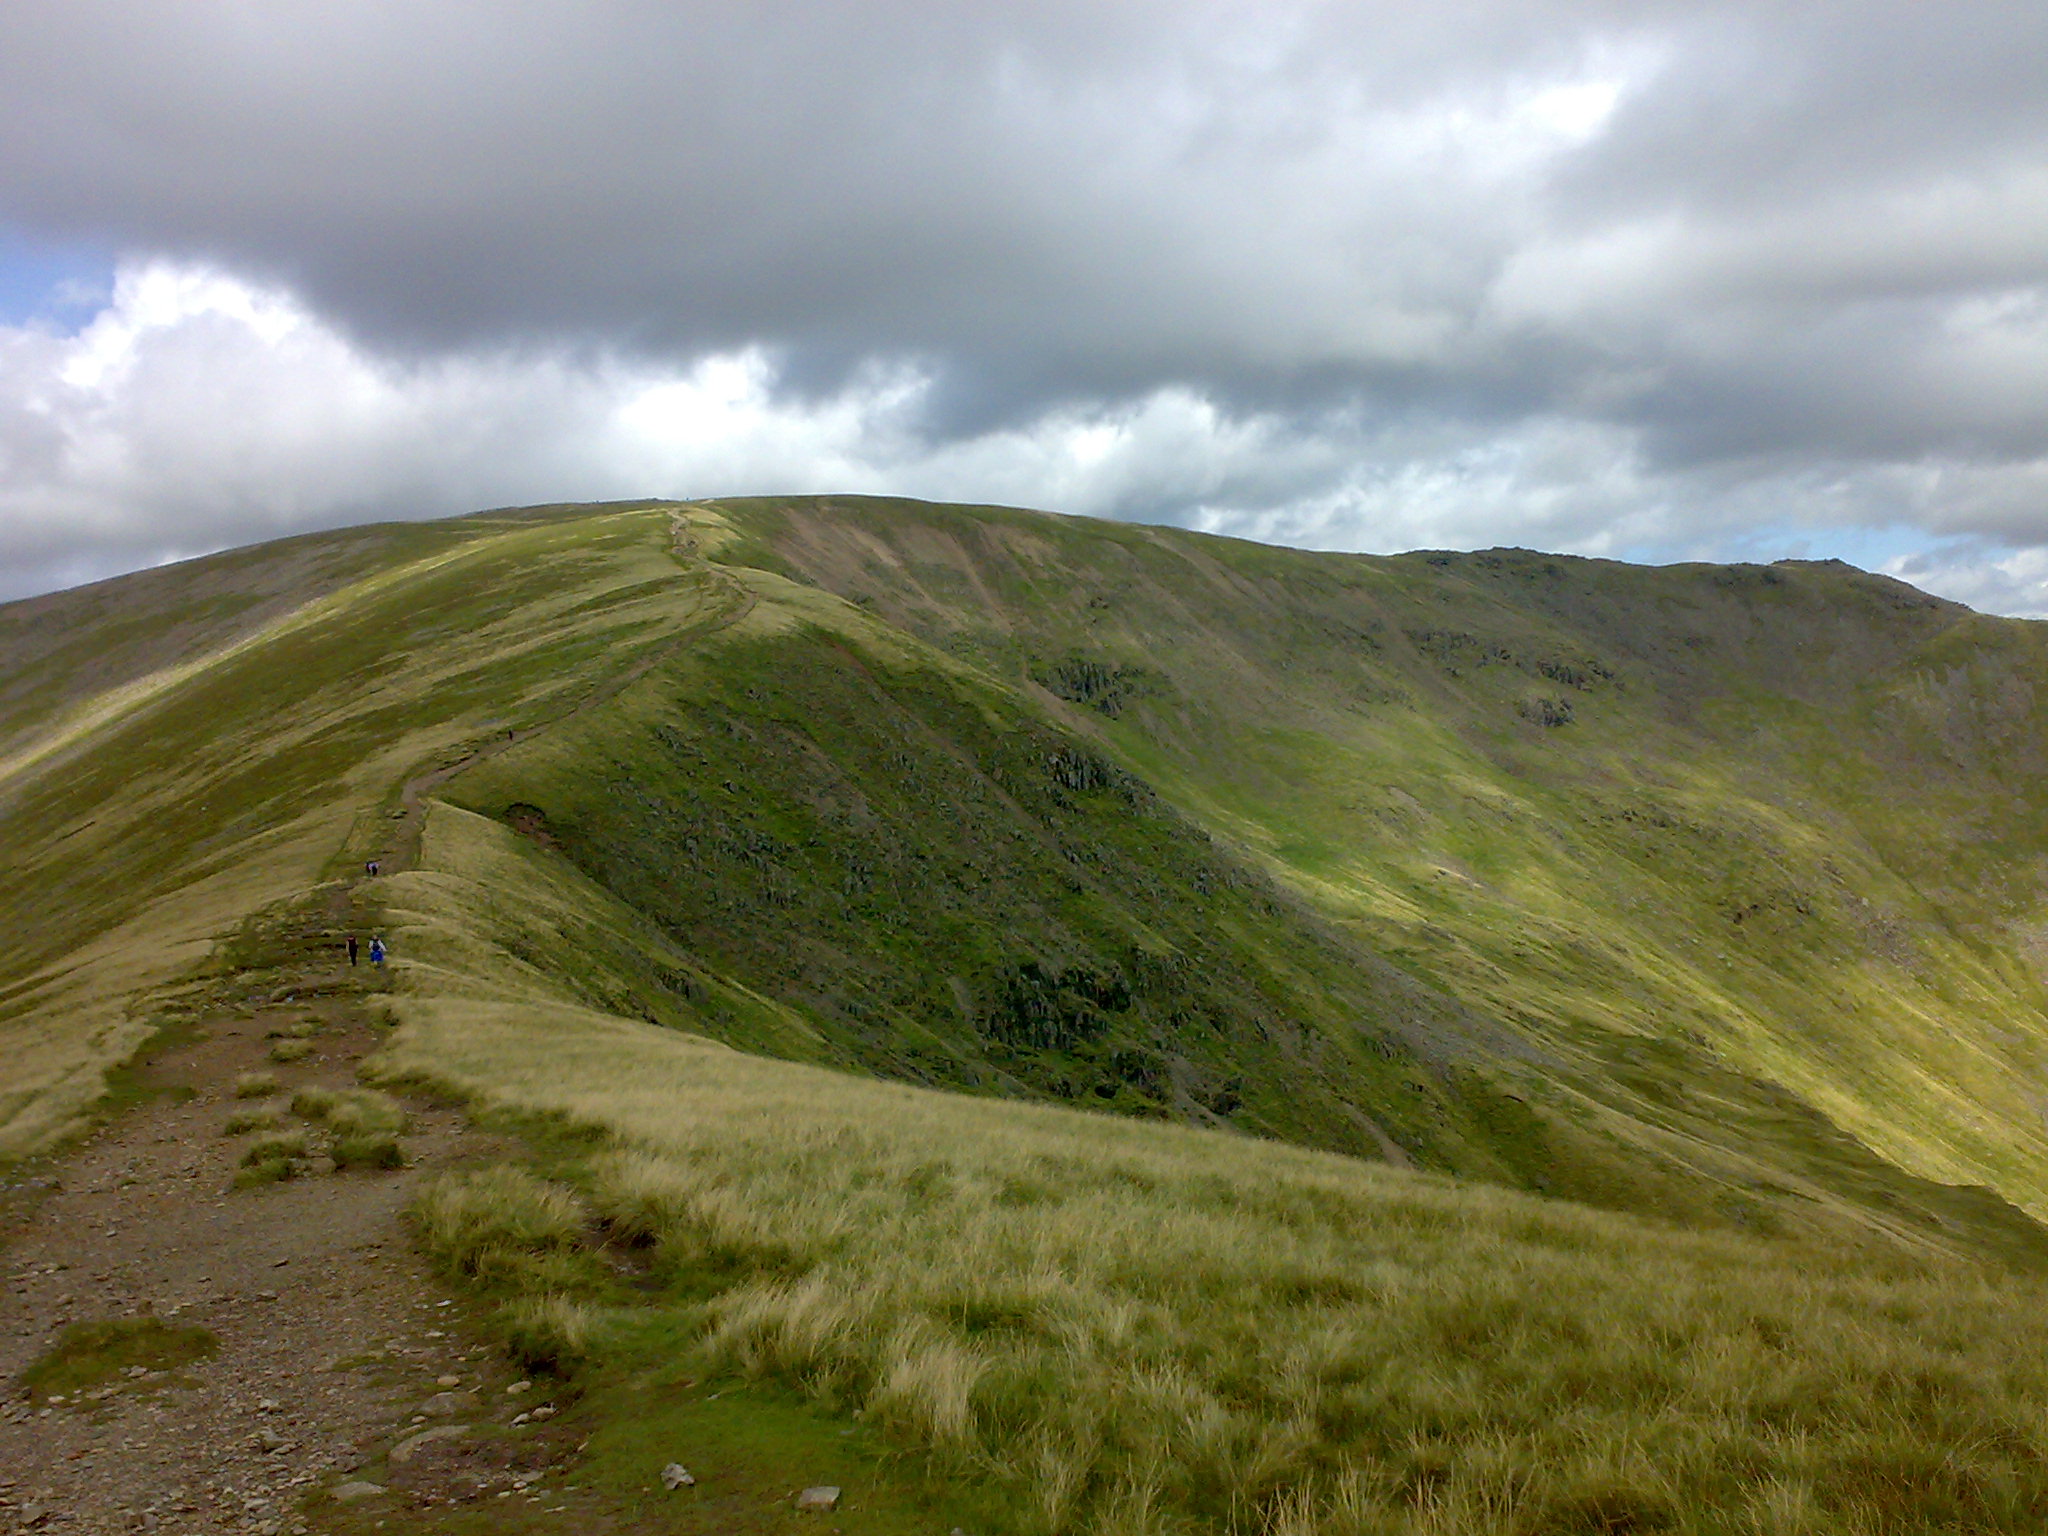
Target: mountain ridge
x=1614, y=841
x=1054, y=1026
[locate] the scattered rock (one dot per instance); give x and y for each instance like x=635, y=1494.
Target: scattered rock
x=820, y=1499
x=675, y=1475
x=544, y=1411
x=349, y=1493
x=447, y=1381
x=518, y=1387
x=445, y=1404
x=410, y=1446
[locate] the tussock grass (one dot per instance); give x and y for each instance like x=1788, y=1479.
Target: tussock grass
x=367, y=1151
x=290, y=1050
x=364, y=1124
x=1141, y=1328
x=351, y=1111
x=261, y=1118
x=285, y=1144
x=272, y=1159
x=549, y=1334
x=255, y=1085
x=521, y=1239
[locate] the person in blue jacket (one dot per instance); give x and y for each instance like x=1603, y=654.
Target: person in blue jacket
x=376, y=951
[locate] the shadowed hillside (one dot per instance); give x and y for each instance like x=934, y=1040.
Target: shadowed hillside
x=1589, y=878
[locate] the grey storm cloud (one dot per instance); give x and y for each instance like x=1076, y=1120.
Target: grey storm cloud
x=1798, y=246
x=1408, y=204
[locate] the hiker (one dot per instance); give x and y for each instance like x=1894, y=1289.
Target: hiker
x=376, y=951
x=370, y=869
x=351, y=949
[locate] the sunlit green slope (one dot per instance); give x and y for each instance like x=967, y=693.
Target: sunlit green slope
x=183, y=747
x=1700, y=891
x=1786, y=821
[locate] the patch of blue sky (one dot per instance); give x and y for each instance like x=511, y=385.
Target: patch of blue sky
x=59, y=284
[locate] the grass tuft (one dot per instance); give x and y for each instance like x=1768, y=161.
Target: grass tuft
x=365, y=1124
x=374, y=1150
x=548, y=1334
x=89, y=1353
x=272, y=1159
x=261, y=1118
x=255, y=1085
x=509, y=1231
x=286, y=1051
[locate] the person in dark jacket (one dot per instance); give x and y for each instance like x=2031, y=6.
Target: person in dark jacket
x=351, y=949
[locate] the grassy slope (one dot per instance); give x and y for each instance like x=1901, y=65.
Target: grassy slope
x=139, y=825
x=1074, y=1322
x=1182, y=828
x=1795, y=821
x=1655, y=958
x=1039, y=806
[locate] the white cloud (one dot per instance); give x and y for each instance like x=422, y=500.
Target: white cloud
x=197, y=411
x=1687, y=278
x=2011, y=582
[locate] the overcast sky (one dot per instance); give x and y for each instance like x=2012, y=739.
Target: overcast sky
x=1656, y=280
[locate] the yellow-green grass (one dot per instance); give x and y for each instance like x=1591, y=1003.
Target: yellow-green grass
x=1134, y=1327
x=822, y=811
x=271, y=1159
x=1711, y=857
x=363, y=1125
x=145, y=820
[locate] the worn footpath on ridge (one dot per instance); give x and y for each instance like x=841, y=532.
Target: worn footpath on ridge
x=339, y=1359
x=335, y=1345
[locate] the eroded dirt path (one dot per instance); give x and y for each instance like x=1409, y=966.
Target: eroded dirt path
x=335, y=1341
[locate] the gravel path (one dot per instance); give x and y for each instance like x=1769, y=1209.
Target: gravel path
x=332, y=1335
